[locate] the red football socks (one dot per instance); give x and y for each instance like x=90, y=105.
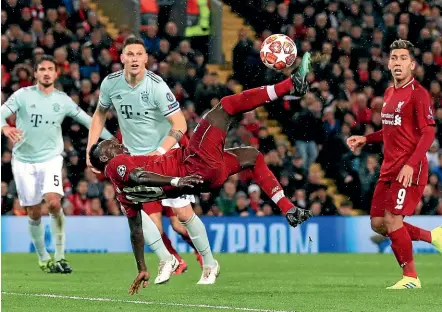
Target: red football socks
x=250, y=99
x=418, y=234
x=270, y=185
x=187, y=239
x=169, y=247
x=403, y=250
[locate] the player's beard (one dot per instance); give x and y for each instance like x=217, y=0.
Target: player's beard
x=47, y=85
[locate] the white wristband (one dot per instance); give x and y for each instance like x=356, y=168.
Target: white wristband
x=175, y=182
x=161, y=150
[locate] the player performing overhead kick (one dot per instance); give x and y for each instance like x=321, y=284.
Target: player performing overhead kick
x=152, y=123
x=407, y=133
x=147, y=178
x=37, y=160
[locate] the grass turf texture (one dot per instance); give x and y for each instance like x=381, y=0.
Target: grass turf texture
x=326, y=282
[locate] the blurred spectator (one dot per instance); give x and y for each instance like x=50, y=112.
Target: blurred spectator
x=429, y=202
x=79, y=202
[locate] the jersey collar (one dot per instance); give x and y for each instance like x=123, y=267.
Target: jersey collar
x=139, y=83
x=408, y=84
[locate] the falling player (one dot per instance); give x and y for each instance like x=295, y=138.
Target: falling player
x=151, y=123
x=157, y=209
x=140, y=178
x=37, y=161
x=407, y=133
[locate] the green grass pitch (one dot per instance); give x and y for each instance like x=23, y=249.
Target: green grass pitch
x=325, y=282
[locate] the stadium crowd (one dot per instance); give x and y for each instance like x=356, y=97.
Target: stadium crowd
x=350, y=76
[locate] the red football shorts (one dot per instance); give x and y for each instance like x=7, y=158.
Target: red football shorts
x=205, y=155
x=155, y=207
x=392, y=196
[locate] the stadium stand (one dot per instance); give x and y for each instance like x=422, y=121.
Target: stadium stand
x=304, y=141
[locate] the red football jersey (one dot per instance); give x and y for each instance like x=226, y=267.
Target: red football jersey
x=406, y=111
x=119, y=168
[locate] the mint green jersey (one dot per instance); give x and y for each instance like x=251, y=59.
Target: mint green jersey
x=40, y=116
x=142, y=110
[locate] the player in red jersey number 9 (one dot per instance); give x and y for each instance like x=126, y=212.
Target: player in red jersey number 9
x=407, y=133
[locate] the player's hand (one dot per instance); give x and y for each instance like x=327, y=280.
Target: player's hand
x=154, y=153
x=190, y=181
x=14, y=134
x=405, y=176
x=356, y=141
x=88, y=163
x=142, y=278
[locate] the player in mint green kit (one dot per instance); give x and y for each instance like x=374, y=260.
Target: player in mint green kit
x=36, y=157
x=151, y=122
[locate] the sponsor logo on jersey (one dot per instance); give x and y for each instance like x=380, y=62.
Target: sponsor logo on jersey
x=56, y=107
x=391, y=119
x=170, y=97
x=118, y=97
x=121, y=170
x=144, y=96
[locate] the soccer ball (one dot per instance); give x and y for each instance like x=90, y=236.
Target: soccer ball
x=278, y=52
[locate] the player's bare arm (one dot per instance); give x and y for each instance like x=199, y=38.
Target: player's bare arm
x=97, y=125
x=139, y=176
x=137, y=240
x=179, y=127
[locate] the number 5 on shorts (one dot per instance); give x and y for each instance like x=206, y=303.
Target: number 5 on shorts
x=56, y=181
x=400, y=198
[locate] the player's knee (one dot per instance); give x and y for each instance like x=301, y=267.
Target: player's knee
x=184, y=213
x=54, y=205
x=34, y=212
x=377, y=225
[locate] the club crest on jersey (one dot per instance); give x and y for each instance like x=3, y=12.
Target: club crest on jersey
x=121, y=170
x=144, y=96
x=56, y=107
x=399, y=106
x=169, y=97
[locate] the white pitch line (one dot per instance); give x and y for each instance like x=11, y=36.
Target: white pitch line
x=202, y=306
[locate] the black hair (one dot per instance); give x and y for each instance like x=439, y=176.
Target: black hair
x=403, y=44
x=43, y=58
x=94, y=157
x=133, y=40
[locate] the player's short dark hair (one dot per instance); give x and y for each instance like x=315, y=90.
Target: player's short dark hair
x=403, y=44
x=43, y=58
x=133, y=40
x=94, y=156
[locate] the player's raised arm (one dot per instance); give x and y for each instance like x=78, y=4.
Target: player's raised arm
x=74, y=111
x=170, y=108
x=99, y=117
x=138, y=176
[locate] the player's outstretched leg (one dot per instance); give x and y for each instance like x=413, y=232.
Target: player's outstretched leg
x=237, y=159
x=433, y=237
x=221, y=115
x=436, y=238
x=152, y=237
x=37, y=232
x=58, y=232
